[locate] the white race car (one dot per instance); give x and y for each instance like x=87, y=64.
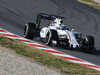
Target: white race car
x=55, y=33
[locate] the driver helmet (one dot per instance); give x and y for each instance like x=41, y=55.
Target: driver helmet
x=63, y=27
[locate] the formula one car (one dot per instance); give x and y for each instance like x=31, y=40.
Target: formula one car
x=55, y=33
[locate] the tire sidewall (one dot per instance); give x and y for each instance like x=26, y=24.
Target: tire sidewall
x=52, y=36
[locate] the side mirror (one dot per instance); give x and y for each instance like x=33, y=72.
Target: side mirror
x=73, y=30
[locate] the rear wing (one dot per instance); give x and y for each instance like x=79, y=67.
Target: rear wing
x=45, y=17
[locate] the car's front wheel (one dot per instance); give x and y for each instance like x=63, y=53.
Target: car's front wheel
x=88, y=42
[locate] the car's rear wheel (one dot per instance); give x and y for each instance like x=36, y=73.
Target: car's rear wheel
x=88, y=42
x=51, y=36
x=29, y=30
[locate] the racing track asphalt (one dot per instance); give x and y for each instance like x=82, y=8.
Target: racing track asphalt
x=15, y=13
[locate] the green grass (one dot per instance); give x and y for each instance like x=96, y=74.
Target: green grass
x=91, y=3
x=45, y=58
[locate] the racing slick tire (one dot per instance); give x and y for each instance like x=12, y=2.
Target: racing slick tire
x=29, y=30
x=88, y=42
x=51, y=35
